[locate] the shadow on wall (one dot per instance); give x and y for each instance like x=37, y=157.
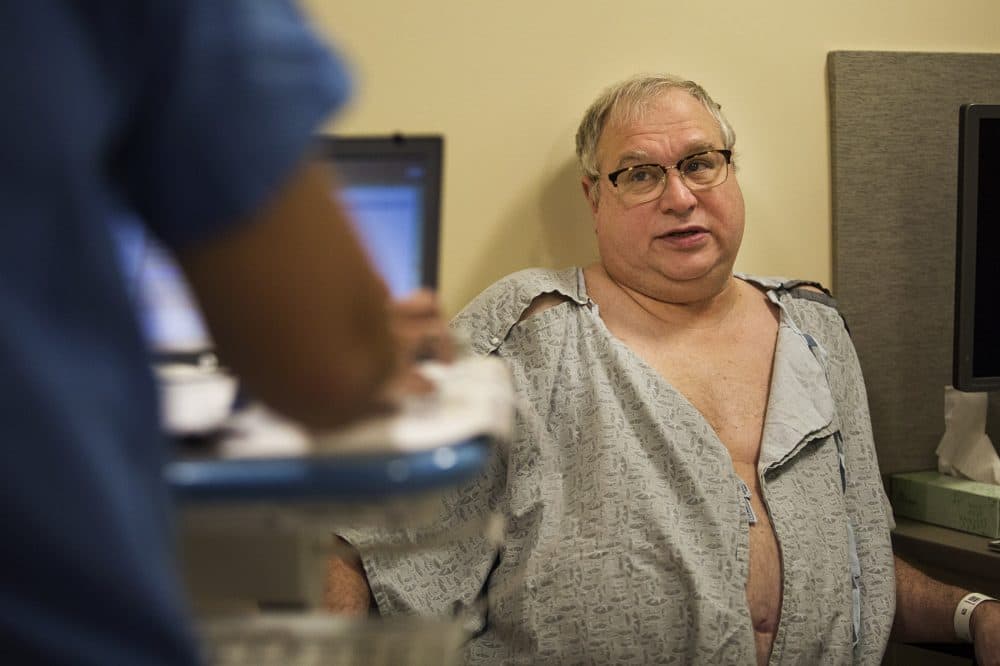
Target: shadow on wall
x=567, y=225
x=549, y=226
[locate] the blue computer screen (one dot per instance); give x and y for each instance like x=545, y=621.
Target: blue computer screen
x=166, y=308
x=392, y=189
x=388, y=219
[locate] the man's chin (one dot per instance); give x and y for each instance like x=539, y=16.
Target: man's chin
x=694, y=273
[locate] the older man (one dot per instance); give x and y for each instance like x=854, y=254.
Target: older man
x=693, y=478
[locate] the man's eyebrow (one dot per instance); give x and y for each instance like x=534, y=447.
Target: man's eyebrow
x=632, y=157
x=701, y=147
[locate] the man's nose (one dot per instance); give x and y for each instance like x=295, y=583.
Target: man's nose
x=677, y=197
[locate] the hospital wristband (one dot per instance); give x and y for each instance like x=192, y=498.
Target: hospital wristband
x=963, y=613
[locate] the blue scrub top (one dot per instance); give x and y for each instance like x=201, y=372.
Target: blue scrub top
x=188, y=113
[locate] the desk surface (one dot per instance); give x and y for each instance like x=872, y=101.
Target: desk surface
x=356, y=477
x=965, y=556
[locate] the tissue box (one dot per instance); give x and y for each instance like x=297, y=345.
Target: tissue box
x=941, y=499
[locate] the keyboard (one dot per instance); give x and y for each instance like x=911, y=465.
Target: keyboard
x=472, y=397
x=432, y=442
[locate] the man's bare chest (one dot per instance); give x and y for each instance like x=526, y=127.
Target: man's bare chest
x=721, y=366
x=729, y=390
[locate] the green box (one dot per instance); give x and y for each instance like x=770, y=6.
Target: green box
x=940, y=499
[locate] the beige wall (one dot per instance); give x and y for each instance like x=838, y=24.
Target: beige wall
x=506, y=83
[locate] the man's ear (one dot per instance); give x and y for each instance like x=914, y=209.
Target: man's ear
x=592, y=201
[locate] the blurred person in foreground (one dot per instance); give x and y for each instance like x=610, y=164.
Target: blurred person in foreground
x=693, y=477
x=197, y=116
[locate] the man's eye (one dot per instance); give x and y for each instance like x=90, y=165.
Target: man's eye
x=642, y=175
x=696, y=165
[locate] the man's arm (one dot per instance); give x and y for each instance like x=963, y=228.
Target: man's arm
x=293, y=305
x=925, y=609
x=347, y=591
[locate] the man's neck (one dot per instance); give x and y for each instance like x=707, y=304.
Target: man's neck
x=694, y=307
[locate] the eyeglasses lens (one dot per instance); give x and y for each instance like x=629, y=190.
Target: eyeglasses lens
x=646, y=182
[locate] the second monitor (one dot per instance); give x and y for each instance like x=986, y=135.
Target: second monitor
x=391, y=186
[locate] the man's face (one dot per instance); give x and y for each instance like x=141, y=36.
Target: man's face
x=674, y=247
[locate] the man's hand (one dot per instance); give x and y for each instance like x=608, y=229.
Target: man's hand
x=985, y=626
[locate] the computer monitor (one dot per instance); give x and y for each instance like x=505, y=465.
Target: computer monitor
x=977, y=275
x=391, y=186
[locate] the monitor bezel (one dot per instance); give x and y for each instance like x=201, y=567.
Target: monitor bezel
x=963, y=375
x=426, y=149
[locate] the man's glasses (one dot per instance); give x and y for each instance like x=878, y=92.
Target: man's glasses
x=644, y=182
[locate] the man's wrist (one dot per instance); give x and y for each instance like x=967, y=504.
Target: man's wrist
x=978, y=612
x=965, y=615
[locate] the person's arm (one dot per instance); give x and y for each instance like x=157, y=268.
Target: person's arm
x=925, y=610
x=294, y=307
x=347, y=591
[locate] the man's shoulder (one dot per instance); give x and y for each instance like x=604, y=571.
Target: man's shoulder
x=794, y=291
x=488, y=318
x=809, y=303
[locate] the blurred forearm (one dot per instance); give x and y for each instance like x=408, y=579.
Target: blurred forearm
x=295, y=308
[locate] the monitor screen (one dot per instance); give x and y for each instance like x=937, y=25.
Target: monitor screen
x=977, y=275
x=391, y=187
x=168, y=314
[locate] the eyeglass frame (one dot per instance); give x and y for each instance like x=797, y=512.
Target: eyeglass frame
x=725, y=152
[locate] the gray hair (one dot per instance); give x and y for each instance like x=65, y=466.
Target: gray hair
x=628, y=100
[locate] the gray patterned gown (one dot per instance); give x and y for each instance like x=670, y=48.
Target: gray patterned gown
x=627, y=540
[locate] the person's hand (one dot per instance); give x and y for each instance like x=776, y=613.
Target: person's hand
x=421, y=334
x=985, y=626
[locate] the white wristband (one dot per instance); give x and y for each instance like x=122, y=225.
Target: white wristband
x=963, y=613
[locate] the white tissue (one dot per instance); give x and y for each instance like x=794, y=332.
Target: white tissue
x=472, y=396
x=194, y=399
x=965, y=450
